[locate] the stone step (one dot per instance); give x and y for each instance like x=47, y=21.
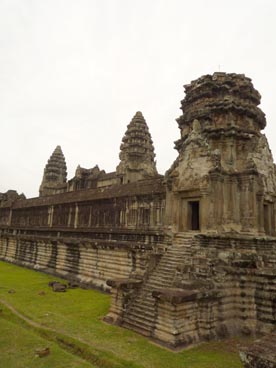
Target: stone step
x=158, y=284
x=161, y=282
x=141, y=314
x=137, y=327
x=148, y=314
x=163, y=276
x=147, y=302
x=166, y=269
x=140, y=318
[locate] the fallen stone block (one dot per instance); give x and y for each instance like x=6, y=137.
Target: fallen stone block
x=58, y=287
x=42, y=352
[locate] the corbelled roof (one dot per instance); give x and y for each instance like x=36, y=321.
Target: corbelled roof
x=55, y=172
x=137, y=140
x=221, y=92
x=55, y=169
x=137, y=151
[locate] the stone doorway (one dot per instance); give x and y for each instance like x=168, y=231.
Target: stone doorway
x=193, y=215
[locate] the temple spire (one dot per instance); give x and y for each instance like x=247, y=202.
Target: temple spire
x=137, y=152
x=55, y=174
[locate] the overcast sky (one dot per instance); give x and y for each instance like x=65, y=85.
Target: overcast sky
x=74, y=72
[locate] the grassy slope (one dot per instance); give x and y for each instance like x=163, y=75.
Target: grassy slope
x=77, y=313
x=18, y=345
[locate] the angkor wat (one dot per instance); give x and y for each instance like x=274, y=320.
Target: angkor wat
x=188, y=256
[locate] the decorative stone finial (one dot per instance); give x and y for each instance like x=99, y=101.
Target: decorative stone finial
x=55, y=174
x=137, y=152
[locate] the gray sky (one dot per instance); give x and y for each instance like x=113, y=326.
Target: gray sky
x=74, y=72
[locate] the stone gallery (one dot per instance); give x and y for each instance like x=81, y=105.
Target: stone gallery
x=188, y=256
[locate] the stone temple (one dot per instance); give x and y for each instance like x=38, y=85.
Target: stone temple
x=189, y=256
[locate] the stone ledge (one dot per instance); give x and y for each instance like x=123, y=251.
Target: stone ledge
x=175, y=296
x=179, y=296
x=262, y=354
x=123, y=283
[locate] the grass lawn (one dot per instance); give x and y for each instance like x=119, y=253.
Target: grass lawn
x=18, y=350
x=78, y=332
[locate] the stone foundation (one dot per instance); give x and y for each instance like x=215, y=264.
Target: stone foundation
x=204, y=287
x=90, y=262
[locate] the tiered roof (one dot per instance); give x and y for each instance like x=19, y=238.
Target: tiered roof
x=55, y=172
x=137, y=150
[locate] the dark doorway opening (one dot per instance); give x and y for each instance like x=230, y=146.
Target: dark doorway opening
x=194, y=215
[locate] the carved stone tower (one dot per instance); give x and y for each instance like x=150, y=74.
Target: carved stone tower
x=224, y=178
x=55, y=174
x=137, y=152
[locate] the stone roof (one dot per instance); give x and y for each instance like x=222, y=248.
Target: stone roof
x=55, y=172
x=221, y=92
x=55, y=169
x=143, y=187
x=137, y=150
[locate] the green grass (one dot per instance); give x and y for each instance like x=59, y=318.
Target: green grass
x=76, y=318
x=18, y=346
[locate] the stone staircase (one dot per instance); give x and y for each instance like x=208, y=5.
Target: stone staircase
x=141, y=313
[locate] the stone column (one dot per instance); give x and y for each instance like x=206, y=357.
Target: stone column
x=90, y=217
x=69, y=217
x=248, y=204
x=245, y=204
x=10, y=218
x=218, y=204
x=50, y=216
x=273, y=209
x=204, y=211
x=76, y=216
x=226, y=200
x=169, y=210
x=152, y=209
x=253, y=203
x=260, y=205
x=212, y=210
x=235, y=204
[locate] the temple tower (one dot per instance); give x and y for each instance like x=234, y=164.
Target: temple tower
x=55, y=174
x=224, y=179
x=137, y=152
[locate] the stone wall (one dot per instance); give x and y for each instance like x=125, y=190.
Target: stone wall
x=90, y=235
x=204, y=287
x=137, y=205
x=79, y=258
